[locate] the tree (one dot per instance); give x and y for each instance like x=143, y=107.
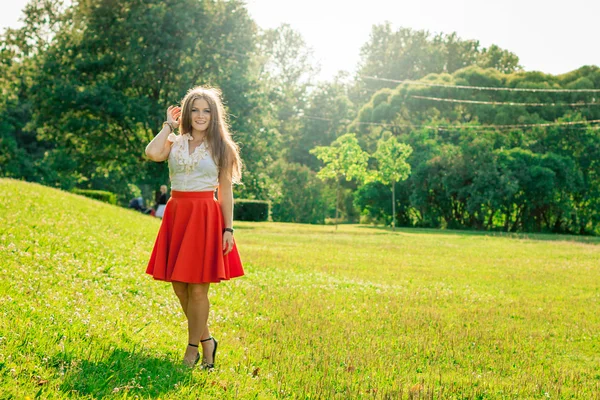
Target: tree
x=413, y=54
x=461, y=175
x=21, y=153
x=392, y=166
x=301, y=196
x=103, y=83
x=326, y=115
x=343, y=159
x=497, y=58
x=286, y=71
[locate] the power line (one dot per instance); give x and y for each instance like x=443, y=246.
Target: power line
x=508, y=126
x=506, y=103
x=498, y=127
x=320, y=118
x=410, y=82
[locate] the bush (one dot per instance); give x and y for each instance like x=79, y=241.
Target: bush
x=374, y=199
x=101, y=195
x=300, y=195
x=251, y=210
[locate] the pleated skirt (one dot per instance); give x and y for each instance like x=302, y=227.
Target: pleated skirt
x=189, y=245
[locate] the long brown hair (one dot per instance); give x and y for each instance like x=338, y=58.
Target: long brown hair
x=225, y=151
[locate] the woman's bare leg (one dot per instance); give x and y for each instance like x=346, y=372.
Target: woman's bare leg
x=207, y=347
x=181, y=290
x=197, y=314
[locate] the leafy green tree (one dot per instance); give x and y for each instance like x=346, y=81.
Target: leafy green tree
x=392, y=166
x=106, y=78
x=372, y=199
x=343, y=159
x=399, y=106
x=581, y=144
x=21, y=152
x=462, y=176
x=326, y=115
x=497, y=58
x=413, y=54
x=301, y=194
x=537, y=179
x=286, y=71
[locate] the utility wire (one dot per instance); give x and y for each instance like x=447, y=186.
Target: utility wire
x=509, y=89
x=509, y=126
x=506, y=103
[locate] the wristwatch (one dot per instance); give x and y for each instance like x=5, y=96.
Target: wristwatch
x=228, y=230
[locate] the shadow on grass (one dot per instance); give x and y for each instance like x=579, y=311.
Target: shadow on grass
x=511, y=235
x=123, y=371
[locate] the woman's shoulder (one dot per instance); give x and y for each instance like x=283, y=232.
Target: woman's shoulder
x=173, y=138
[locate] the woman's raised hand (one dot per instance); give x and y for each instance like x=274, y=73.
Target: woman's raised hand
x=173, y=114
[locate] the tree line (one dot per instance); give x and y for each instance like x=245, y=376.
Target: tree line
x=85, y=86
x=480, y=166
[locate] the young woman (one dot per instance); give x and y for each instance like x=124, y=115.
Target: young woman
x=161, y=202
x=195, y=245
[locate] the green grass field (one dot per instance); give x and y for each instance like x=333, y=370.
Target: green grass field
x=358, y=313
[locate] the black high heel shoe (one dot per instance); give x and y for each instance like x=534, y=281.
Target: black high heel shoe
x=197, y=355
x=211, y=365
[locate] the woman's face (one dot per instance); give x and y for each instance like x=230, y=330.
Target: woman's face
x=200, y=115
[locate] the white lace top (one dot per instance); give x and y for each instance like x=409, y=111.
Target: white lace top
x=191, y=173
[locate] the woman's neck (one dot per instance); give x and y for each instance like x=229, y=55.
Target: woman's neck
x=198, y=136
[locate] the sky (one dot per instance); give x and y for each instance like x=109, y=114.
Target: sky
x=549, y=36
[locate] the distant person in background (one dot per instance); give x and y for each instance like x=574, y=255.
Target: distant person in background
x=161, y=201
x=137, y=204
x=195, y=245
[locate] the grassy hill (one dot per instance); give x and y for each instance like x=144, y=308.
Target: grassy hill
x=361, y=312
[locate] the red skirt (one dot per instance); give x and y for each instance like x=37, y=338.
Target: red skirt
x=189, y=245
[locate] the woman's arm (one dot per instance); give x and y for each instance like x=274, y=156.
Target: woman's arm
x=226, y=203
x=158, y=149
